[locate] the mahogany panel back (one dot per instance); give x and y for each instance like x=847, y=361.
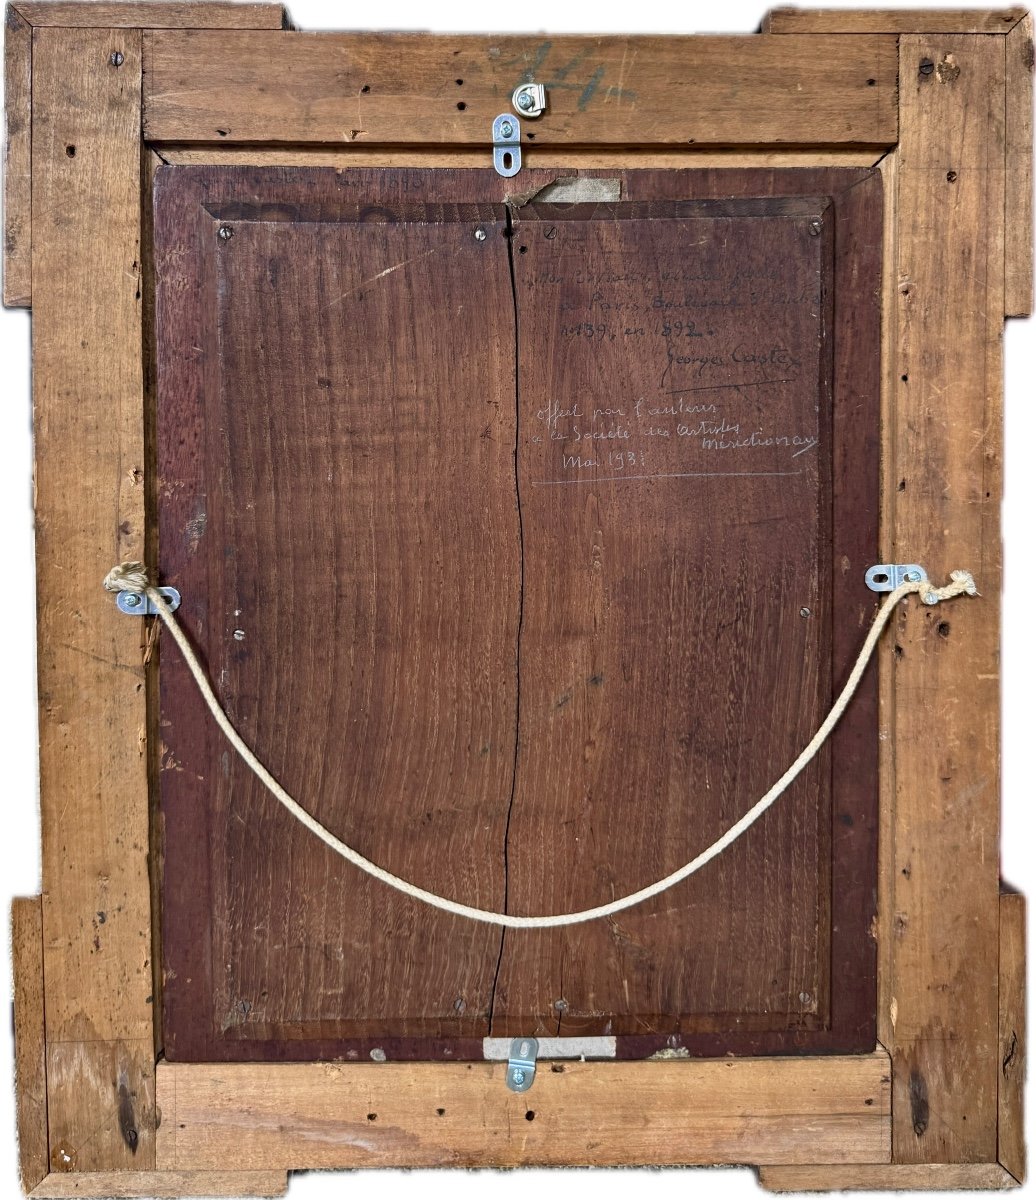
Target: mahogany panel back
x=525, y=545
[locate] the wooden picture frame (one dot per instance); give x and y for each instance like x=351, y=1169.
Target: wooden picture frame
x=98, y=96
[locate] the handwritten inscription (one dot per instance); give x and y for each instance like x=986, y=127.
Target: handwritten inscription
x=663, y=371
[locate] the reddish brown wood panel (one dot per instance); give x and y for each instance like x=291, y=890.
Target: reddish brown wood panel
x=674, y=389
x=389, y=584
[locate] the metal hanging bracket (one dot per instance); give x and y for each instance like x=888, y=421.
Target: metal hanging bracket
x=521, y=1066
x=886, y=577
x=137, y=604
x=507, y=145
x=530, y=99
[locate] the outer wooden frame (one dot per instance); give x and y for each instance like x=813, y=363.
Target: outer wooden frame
x=943, y=101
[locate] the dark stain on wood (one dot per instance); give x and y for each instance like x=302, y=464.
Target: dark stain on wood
x=520, y=669
x=919, y=1110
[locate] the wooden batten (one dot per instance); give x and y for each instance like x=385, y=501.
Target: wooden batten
x=889, y=20
x=88, y=389
x=189, y=14
x=1013, y=1041
x=30, y=1050
x=1018, y=219
x=889, y=1177
x=323, y=1115
x=249, y=87
x=939, y=926
x=127, y=1184
x=17, y=160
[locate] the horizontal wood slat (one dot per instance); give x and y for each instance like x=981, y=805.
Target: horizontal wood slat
x=415, y=89
x=779, y=1110
x=120, y=1184
x=888, y=1177
x=153, y=16
x=886, y=20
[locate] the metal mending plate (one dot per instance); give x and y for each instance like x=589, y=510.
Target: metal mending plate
x=507, y=147
x=136, y=604
x=886, y=577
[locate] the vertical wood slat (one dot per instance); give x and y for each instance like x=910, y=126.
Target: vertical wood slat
x=1018, y=220
x=17, y=250
x=945, y=450
x=1012, y=1057
x=90, y=514
x=30, y=1068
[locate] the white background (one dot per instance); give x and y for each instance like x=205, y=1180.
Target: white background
x=19, y=844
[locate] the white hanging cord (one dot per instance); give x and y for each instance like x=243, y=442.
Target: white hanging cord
x=133, y=577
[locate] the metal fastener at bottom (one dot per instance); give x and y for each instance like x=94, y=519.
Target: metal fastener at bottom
x=521, y=1066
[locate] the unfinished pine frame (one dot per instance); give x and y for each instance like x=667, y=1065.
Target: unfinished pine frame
x=98, y=94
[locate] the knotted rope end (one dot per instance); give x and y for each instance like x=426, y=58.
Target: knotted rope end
x=127, y=577
x=962, y=583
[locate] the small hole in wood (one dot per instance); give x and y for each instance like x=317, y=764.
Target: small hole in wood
x=459, y=82
x=70, y=151
x=902, y=486
x=461, y=106
x=531, y=136
x=530, y=1115
x=440, y=1112
x=522, y=249
x=365, y=89
x=372, y=1116
x=943, y=629
x=951, y=176
x=871, y=82
x=222, y=132
x=899, y=651
x=905, y=378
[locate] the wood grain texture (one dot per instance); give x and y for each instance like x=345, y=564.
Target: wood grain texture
x=891, y=20
x=1013, y=1036
x=888, y=1177
x=88, y=393
x=384, y=449
x=945, y=453
x=888, y=487
x=605, y=709
x=30, y=1060
x=17, y=262
x=1018, y=217
x=359, y=88
x=323, y=1115
x=130, y=1184
x=258, y=1017
x=157, y=15
x=533, y=158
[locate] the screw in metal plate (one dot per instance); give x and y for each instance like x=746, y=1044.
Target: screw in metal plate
x=480, y=234
x=226, y=233
x=117, y=58
x=523, y=100
x=518, y=1077
x=506, y=129
x=912, y=576
x=132, y=600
